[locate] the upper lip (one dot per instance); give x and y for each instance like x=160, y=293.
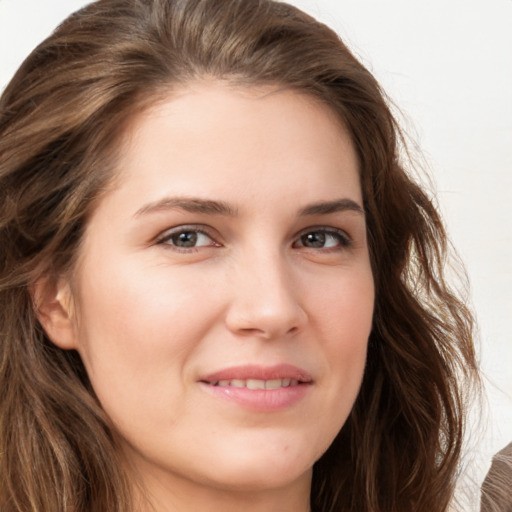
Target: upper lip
x=278, y=371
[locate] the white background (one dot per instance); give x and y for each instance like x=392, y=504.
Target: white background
x=448, y=65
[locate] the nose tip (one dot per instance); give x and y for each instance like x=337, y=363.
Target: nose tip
x=266, y=307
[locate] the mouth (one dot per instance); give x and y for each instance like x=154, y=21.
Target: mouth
x=260, y=388
x=259, y=377
x=256, y=383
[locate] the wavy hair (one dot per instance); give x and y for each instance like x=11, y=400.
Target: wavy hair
x=61, y=120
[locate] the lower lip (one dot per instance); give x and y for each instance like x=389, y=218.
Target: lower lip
x=261, y=400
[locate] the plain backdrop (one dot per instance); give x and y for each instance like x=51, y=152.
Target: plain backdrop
x=447, y=64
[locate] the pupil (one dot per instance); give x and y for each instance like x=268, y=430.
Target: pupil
x=314, y=239
x=186, y=239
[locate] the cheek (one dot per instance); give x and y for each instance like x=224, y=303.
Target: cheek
x=344, y=314
x=134, y=300
x=137, y=328
x=137, y=338
x=344, y=307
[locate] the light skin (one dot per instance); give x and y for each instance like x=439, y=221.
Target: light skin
x=235, y=235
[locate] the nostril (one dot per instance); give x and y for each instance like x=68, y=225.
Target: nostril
x=269, y=313
x=267, y=333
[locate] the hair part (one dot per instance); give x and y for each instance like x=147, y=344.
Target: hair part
x=62, y=119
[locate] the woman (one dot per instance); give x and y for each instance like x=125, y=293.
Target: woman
x=219, y=288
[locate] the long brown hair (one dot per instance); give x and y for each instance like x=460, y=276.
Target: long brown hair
x=61, y=118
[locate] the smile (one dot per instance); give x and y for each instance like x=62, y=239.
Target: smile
x=259, y=388
x=256, y=383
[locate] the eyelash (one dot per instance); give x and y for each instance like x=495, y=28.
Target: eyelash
x=343, y=239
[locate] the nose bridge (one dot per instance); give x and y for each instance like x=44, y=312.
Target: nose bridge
x=265, y=298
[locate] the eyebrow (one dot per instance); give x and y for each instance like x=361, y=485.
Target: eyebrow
x=189, y=204
x=327, y=207
x=213, y=207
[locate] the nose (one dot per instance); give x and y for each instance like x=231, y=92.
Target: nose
x=265, y=299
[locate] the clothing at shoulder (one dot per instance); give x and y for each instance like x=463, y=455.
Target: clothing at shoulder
x=497, y=486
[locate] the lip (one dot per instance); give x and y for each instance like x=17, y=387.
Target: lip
x=259, y=400
x=278, y=371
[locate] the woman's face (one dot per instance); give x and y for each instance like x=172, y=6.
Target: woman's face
x=224, y=291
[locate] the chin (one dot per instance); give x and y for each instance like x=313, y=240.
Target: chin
x=264, y=469
x=254, y=479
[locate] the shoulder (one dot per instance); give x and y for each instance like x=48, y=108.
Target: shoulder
x=497, y=486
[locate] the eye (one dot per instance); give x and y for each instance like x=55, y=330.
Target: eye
x=323, y=238
x=187, y=238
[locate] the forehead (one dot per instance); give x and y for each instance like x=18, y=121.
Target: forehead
x=216, y=139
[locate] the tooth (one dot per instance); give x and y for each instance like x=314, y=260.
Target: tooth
x=223, y=383
x=255, y=384
x=286, y=383
x=273, y=384
x=294, y=382
x=237, y=383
